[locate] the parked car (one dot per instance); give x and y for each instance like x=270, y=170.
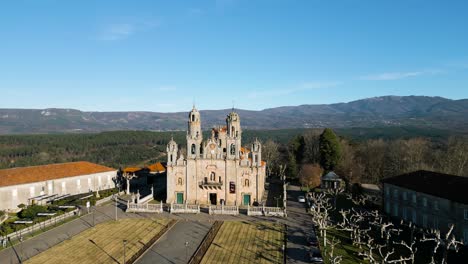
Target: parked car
x=301, y=199
x=313, y=241
x=316, y=256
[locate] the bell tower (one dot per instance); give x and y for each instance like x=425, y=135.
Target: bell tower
x=234, y=135
x=256, y=153
x=171, y=152
x=194, y=135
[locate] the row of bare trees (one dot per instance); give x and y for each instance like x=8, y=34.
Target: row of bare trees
x=378, y=239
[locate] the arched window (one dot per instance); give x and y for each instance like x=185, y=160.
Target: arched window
x=233, y=149
x=171, y=157
x=193, y=149
x=212, y=176
x=193, y=117
x=246, y=183
x=179, y=181
x=219, y=178
x=233, y=130
x=201, y=149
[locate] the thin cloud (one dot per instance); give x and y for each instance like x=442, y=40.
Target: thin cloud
x=300, y=88
x=119, y=31
x=390, y=76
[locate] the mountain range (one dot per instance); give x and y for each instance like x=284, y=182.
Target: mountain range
x=419, y=111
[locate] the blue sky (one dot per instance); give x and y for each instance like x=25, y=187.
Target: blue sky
x=163, y=55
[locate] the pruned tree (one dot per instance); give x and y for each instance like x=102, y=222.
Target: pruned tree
x=321, y=213
x=443, y=242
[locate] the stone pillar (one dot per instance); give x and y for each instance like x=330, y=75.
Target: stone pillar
x=128, y=185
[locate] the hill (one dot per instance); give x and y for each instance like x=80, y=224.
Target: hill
x=416, y=111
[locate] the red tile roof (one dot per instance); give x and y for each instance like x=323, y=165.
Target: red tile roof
x=40, y=173
x=157, y=167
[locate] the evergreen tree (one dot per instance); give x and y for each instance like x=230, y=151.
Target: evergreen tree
x=330, y=152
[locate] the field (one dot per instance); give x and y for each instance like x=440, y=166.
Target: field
x=246, y=242
x=103, y=243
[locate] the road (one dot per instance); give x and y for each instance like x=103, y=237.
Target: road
x=299, y=227
x=171, y=248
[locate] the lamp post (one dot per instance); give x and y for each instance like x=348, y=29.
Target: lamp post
x=115, y=209
x=186, y=251
x=124, y=244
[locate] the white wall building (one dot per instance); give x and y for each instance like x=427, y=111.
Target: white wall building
x=17, y=185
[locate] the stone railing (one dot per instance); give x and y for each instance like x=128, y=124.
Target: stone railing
x=274, y=211
x=42, y=225
x=184, y=208
x=254, y=210
x=266, y=211
x=223, y=210
x=145, y=199
x=144, y=208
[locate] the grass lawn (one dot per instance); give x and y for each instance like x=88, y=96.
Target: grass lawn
x=103, y=243
x=247, y=242
x=345, y=248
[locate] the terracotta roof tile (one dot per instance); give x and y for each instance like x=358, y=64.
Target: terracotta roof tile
x=131, y=169
x=40, y=173
x=156, y=167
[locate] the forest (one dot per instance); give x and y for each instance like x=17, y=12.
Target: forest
x=365, y=154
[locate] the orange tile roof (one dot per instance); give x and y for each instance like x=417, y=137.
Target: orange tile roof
x=131, y=169
x=245, y=150
x=157, y=167
x=40, y=173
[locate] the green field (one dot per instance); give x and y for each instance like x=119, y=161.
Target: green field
x=247, y=242
x=103, y=243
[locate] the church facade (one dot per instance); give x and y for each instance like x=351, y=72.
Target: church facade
x=217, y=170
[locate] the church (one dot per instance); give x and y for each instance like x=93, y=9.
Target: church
x=217, y=170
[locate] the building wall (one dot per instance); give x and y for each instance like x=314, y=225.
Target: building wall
x=425, y=210
x=186, y=179
x=12, y=196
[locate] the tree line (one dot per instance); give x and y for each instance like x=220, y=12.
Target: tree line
x=313, y=153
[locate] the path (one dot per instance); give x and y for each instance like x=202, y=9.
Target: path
x=170, y=248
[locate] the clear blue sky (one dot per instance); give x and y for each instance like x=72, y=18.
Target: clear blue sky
x=162, y=55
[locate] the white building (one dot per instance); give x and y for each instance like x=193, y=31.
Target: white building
x=18, y=185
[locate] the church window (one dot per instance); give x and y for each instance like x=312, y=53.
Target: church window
x=179, y=181
x=193, y=118
x=171, y=157
x=219, y=178
x=247, y=183
x=233, y=130
x=233, y=149
x=212, y=176
x=193, y=149
x=201, y=149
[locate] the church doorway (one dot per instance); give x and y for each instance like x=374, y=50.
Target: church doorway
x=213, y=199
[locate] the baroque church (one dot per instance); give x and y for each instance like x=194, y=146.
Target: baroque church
x=218, y=170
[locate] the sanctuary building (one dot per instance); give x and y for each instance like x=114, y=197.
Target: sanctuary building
x=218, y=170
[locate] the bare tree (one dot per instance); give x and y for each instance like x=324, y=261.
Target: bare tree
x=444, y=242
x=320, y=213
x=270, y=154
